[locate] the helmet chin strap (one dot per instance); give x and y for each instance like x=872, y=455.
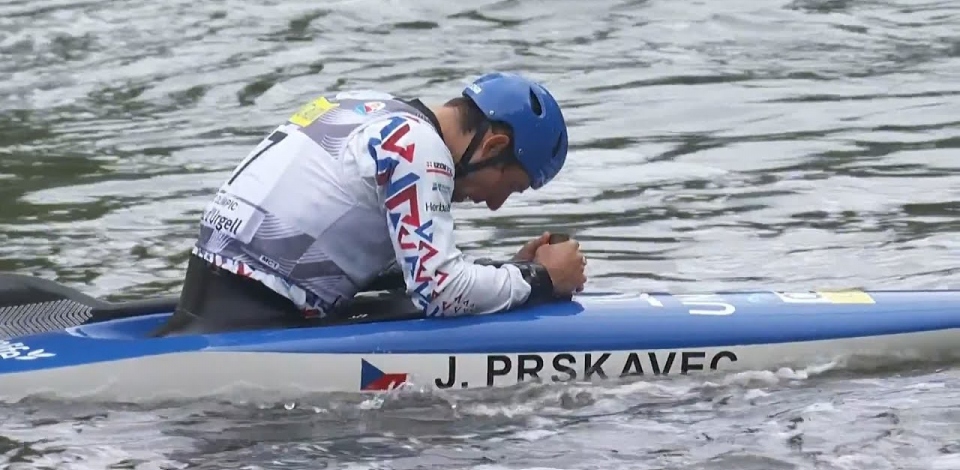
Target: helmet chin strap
x=463, y=167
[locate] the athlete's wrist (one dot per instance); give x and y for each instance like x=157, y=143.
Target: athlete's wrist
x=534, y=274
x=541, y=286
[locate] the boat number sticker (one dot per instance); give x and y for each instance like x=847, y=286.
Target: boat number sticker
x=826, y=297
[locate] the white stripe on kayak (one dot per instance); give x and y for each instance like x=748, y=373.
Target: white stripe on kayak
x=274, y=375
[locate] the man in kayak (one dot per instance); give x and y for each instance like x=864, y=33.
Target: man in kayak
x=356, y=181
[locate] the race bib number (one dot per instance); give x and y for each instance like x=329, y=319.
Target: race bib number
x=232, y=217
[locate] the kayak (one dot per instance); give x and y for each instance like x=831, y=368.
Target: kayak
x=57, y=340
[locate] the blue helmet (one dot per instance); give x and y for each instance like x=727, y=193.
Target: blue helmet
x=539, y=130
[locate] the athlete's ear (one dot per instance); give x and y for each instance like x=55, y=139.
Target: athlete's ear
x=495, y=145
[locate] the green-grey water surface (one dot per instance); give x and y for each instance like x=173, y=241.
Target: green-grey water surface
x=715, y=145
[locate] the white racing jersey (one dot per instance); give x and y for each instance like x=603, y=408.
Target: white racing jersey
x=350, y=184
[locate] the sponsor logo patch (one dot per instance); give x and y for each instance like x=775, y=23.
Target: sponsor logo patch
x=439, y=168
x=370, y=107
x=443, y=189
x=437, y=207
x=232, y=217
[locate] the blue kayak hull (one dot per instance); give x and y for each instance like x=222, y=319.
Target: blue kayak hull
x=629, y=335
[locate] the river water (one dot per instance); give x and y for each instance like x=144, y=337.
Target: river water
x=715, y=145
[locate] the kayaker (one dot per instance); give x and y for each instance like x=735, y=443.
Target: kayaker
x=355, y=181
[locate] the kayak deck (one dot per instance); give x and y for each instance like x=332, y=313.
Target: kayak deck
x=595, y=321
x=607, y=321
x=30, y=306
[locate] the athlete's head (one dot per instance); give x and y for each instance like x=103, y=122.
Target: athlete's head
x=518, y=138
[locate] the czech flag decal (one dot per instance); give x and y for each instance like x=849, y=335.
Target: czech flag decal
x=372, y=378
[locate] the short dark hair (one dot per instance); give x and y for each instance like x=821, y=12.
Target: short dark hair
x=471, y=117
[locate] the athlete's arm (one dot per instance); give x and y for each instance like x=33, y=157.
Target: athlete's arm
x=415, y=177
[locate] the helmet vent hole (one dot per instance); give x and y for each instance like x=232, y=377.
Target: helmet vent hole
x=556, y=146
x=535, y=104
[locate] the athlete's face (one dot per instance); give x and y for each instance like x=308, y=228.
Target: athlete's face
x=491, y=185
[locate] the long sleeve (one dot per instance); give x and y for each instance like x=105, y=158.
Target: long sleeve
x=415, y=181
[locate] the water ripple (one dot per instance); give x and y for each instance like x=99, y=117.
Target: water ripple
x=798, y=144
